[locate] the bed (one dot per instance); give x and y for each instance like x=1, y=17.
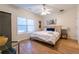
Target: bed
x=50, y=37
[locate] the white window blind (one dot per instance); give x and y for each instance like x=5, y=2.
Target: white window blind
x=30, y=25
x=24, y=25
x=21, y=25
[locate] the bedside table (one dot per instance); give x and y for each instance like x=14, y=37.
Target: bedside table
x=64, y=34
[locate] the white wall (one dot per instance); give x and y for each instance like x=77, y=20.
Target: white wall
x=19, y=12
x=78, y=23
x=66, y=19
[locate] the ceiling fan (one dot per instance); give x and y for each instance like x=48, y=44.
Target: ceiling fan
x=45, y=10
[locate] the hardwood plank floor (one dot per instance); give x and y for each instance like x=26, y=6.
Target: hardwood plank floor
x=62, y=46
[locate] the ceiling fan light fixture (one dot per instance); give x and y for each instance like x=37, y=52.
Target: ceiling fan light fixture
x=45, y=11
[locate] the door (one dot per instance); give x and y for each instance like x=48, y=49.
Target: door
x=5, y=25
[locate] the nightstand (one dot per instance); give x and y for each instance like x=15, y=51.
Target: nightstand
x=64, y=34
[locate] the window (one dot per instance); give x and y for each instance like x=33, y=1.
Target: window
x=24, y=25
x=30, y=25
x=21, y=25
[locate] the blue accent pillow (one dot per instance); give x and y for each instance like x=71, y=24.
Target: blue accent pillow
x=50, y=29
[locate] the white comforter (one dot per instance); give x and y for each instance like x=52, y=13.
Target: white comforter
x=47, y=36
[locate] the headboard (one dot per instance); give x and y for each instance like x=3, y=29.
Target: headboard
x=56, y=27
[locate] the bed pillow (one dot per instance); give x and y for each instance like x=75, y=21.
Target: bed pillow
x=50, y=29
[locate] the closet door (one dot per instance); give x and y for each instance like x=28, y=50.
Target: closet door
x=5, y=25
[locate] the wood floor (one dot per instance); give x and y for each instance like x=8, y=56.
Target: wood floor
x=63, y=46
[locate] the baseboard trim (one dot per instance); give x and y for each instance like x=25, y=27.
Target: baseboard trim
x=14, y=41
x=73, y=39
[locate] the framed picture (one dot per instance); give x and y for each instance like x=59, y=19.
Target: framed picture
x=52, y=21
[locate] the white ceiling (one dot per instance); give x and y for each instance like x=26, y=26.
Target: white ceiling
x=36, y=8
